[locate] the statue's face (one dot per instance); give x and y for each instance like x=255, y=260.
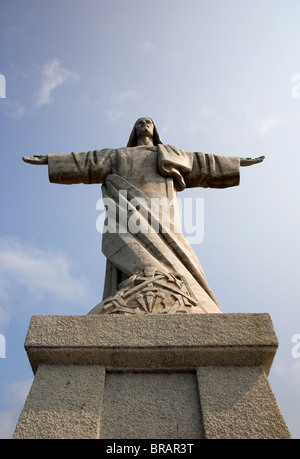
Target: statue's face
x=144, y=127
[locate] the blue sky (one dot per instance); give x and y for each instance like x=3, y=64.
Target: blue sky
x=217, y=77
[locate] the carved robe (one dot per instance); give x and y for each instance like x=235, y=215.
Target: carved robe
x=145, y=173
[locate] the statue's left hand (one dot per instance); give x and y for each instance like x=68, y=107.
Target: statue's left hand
x=249, y=161
x=36, y=159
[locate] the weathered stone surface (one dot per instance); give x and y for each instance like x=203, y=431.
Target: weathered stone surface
x=237, y=402
x=126, y=342
x=197, y=376
x=64, y=402
x=151, y=405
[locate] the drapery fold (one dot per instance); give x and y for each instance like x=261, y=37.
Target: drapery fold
x=128, y=251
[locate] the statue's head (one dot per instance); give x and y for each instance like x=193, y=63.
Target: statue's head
x=143, y=126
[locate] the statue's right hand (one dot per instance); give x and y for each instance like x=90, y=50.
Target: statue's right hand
x=36, y=159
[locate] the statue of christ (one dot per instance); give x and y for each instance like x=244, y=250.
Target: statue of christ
x=148, y=271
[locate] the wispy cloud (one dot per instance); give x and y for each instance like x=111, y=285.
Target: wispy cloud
x=268, y=125
x=263, y=125
x=204, y=119
x=147, y=47
x=53, y=75
x=34, y=281
x=13, y=397
x=36, y=274
x=50, y=76
x=14, y=109
x=225, y=123
x=120, y=105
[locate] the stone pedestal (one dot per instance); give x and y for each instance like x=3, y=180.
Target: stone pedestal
x=151, y=377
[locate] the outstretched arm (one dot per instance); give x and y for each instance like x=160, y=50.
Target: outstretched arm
x=212, y=171
x=244, y=162
x=89, y=167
